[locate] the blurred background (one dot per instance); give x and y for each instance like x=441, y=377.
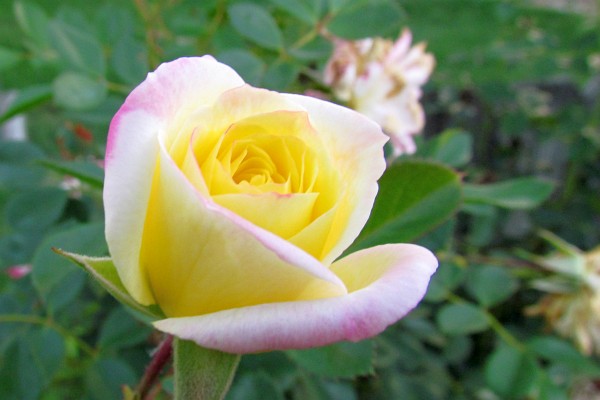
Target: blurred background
x=512, y=111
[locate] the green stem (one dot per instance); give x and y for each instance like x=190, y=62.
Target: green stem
x=34, y=319
x=202, y=374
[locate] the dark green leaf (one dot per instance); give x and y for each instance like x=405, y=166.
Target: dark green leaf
x=510, y=373
x=105, y=378
x=255, y=386
x=54, y=277
x=453, y=147
x=447, y=277
x=78, y=92
x=35, y=210
x=79, y=49
x=41, y=353
x=256, y=24
x=367, y=18
x=27, y=99
x=280, y=75
x=121, y=330
x=461, y=319
x=85, y=171
x=307, y=11
x=414, y=197
x=33, y=21
x=561, y=352
x=520, y=193
x=491, y=285
x=130, y=59
x=250, y=67
x=338, y=360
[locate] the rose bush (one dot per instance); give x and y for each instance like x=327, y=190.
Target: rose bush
x=228, y=205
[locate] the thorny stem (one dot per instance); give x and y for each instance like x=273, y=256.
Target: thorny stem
x=161, y=357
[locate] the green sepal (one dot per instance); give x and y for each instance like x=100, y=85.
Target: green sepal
x=105, y=273
x=200, y=373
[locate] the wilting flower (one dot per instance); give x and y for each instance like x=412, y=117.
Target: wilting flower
x=382, y=79
x=572, y=305
x=227, y=206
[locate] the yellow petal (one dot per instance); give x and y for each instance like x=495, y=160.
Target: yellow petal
x=284, y=215
x=200, y=258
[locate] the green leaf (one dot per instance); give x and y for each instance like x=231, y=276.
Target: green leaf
x=27, y=99
x=121, y=330
x=129, y=59
x=510, y=372
x=33, y=21
x=79, y=49
x=280, y=75
x=414, y=197
x=78, y=92
x=453, y=147
x=491, y=285
x=105, y=378
x=255, y=24
x=344, y=360
x=41, y=353
x=54, y=278
x=202, y=373
x=447, y=277
x=85, y=171
x=255, y=386
x=9, y=58
x=520, y=193
x=367, y=18
x=461, y=319
x=105, y=273
x=308, y=11
x=250, y=67
x=24, y=211
x=561, y=352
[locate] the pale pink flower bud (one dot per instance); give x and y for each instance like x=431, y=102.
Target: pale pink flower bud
x=382, y=79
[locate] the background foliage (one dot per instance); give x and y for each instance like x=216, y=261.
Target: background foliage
x=511, y=147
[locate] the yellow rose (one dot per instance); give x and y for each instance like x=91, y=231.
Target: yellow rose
x=227, y=206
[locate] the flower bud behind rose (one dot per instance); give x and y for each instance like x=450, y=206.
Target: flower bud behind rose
x=382, y=79
x=227, y=206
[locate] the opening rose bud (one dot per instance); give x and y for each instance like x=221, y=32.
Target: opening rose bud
x=227, y=206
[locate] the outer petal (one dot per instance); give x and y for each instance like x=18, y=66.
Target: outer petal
x=396, y=277
x=153, y=108
x=356, y=144
x=217, y=260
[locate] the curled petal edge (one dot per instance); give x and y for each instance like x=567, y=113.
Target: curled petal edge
x=361, y=314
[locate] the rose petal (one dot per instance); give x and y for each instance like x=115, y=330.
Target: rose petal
x=222, y=261
x=387, y=281
x=153, y=108
x=356, y=146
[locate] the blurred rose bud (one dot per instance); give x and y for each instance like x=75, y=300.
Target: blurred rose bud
x=17, y=272
x=382, y=79
x=572, y=303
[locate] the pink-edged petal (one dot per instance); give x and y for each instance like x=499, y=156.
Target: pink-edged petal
x=356, y=146
x=156, y=107
x=200, y=257
x=396, y=277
